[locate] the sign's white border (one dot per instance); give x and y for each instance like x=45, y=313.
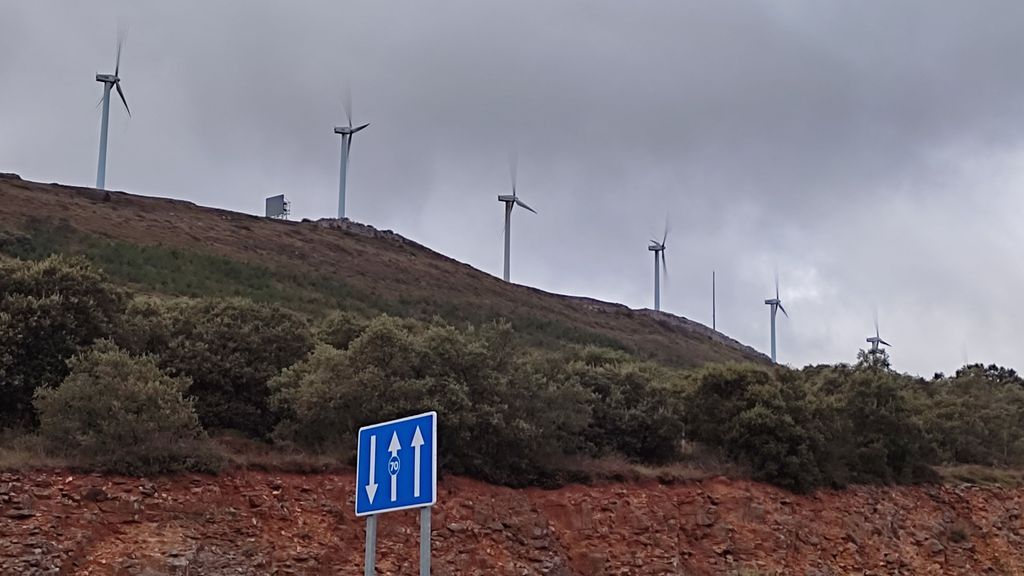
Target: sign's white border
x=433, y=464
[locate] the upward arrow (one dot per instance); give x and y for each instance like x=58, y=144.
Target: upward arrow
x=394, y=447
x=371, y=486
x=417, y=442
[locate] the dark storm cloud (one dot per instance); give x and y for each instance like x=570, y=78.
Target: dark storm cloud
x=871, y=151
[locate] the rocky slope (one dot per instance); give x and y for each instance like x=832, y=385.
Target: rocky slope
x=264, y=523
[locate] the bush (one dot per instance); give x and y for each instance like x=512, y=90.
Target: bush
x=340, y=329
x=635, y=412
x=974, y=417
x=122, y=414
x=823, y=425
x=880, y=440
x=500, y=420
x=760, y=421
x=49, y=310
x=229, y=348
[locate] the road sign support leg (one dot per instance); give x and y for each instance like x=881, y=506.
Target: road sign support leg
x=370, y=561
x=425, y=541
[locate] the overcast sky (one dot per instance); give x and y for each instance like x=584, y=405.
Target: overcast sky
x=872, y=151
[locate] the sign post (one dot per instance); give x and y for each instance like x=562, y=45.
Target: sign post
x=401, y=455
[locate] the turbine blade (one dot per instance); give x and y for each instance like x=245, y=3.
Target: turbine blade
x=884, y=342
x=776, y=284
x=665, y=235
x=783, y=310
x=664, y=264
x=117, y=60
x=523, y=204
x=358, y=128
x=346, y=102
x=125, y=102
x=513, y=168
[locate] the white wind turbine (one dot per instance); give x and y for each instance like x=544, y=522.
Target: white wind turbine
x=776, y=305
x=511, y=201
x=876, y=340
x=109, y=81
x=346, y=146
x=659, y=254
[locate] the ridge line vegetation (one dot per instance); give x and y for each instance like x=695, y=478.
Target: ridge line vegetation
x=112, y=379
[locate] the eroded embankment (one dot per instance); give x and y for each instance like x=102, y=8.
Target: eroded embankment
x=266, y=523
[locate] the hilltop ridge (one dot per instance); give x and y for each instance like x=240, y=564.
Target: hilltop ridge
x=220, y=252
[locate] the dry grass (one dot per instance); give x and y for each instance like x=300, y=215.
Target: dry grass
x=244, y=454
x=20, y=452
x=697, y=463
x=982, y=475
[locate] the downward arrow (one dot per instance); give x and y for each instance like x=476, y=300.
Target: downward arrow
x=394, y=447
x=371, y=487
x=417, y=441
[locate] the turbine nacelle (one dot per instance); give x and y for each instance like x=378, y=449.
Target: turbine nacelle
x=107, y=78
x=655, y=247
x=514, y=200
x=348, y=129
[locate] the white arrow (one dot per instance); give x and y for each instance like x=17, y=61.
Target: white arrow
x=417, y=441
x=394, y=447
x=371, y=488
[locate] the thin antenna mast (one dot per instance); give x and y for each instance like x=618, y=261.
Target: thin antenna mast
x=714, y=310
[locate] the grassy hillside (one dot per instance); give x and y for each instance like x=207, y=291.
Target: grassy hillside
x=171, y=247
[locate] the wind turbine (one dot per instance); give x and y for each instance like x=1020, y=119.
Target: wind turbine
x=109, y=81
x=346, y=146
x=876, y=339
x=776, y=304
x=510, y=202
x=659, y=254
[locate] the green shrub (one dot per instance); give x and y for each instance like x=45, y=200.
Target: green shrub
x=882, y=441
x=229, y=348
x=340, y=329
x=49, y=310
x=635, y=412
x=120, y=413
x=974, y=417
x=500, y=420
x=760, y=421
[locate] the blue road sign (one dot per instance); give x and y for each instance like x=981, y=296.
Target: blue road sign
x=396, y=466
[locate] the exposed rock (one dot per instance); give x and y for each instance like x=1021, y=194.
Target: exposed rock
x=235, y=524
x=95, y=494
x=19, y=514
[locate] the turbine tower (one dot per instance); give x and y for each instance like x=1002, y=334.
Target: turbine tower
x=346, y=146
x=876, y=339
x=659, y=254
x=510, y=202
x=776, y=305
x=109, y=81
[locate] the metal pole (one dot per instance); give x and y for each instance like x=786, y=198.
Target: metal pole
x=343, y=174
x=370, y=561
x=425, y=541
x=774, y=307
x=714, y=309
x=508, y=227
x=101, y=170
x=657, y=283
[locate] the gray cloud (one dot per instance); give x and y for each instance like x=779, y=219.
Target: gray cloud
x=870, y=151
